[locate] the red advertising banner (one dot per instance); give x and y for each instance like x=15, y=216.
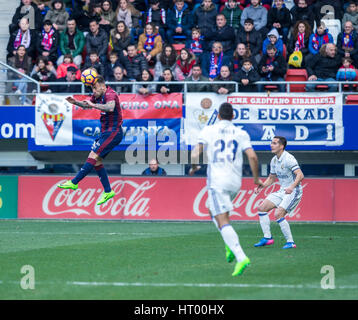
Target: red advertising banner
x=169, y=198
x=136, y=106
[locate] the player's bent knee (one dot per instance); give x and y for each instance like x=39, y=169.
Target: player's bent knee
x=280, y=213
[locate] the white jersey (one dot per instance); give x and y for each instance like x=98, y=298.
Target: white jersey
x=284, y=168
x=224, y=146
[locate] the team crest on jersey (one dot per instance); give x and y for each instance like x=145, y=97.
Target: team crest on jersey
x=54, y=121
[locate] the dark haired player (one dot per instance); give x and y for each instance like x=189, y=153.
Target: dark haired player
x=283, y=166
x=105, y=99
x=225, y=144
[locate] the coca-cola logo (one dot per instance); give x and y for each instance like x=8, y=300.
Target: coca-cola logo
x=129, y=200
x=245, y=203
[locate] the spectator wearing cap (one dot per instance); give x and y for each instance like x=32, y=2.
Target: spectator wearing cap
x=57, y=15
x=47, y=42
x=70, y=77
x=258, y=14
x=251, y=38
x=204, y=16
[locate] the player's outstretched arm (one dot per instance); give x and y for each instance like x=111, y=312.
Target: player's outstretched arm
x=107, y=107
x=82, y=104
x=195, y=155
x=254, y=165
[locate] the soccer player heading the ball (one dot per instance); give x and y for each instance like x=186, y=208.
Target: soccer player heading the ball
x=105, y=99
x=283, y=166
x=225, y=144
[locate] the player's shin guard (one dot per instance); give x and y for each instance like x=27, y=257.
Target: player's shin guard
x=85, y=170
x=231, y=238
x=265, y=224
x=285, y=228
x=102, y=174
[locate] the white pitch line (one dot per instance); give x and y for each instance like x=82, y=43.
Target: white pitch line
x=201, y=285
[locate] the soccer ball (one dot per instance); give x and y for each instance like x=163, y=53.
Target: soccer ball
x=88, y=77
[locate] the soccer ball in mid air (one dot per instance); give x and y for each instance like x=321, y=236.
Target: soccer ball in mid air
x=88, y=77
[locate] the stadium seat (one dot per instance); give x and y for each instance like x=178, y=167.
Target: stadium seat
x=296, y=75
x=346, y=86
x=352, y=99
x=284, y=51
x=334, y=27
x=178, y=47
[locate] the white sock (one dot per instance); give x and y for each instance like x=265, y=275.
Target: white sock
x=232, y=240
x=285, y=228
x=265, y=224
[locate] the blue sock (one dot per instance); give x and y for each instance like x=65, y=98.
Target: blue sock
x=85, y=170
x=102, y=174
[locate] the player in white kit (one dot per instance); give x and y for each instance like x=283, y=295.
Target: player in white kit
x=225, y=144
x=283, y=166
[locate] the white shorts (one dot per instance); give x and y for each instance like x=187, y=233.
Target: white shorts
x=289, y=202
x=220, y=201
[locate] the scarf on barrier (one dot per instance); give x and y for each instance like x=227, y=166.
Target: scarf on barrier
x=215, y=64
x=23, y=38
x=347, y=40
x=149, y=42
x=300, y=43
x=47, y=39
x=162, y=15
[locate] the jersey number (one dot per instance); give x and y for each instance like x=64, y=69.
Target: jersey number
x=220, y=147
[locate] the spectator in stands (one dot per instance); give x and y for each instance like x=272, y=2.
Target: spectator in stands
x=124, y=14
x=97, y=40
x=140, y=5
x=82, y=16
x=272, y=67
x=150, y=43
x=44, y=71
x=57, y=15
x=72, y=41
x=225, y=75
x=23, y=36
x=247, y=76
x=22, y=63
x=299, y=39
x=70, y=77
x=166, y=59
x=137, y=20
x=28, y=10
x=95, y=11
x=110, y=65
x=134, y=63
x=351, y=14
x=251, y=38
x=212, y=62
x=120, y=77
x=232, y=13
x=120, y=38
x=154, y=169
x=347, y=43
x=147, y=88
x=222, y=33
x=301, y=12
x=258, y=14
x=196, y=45
x=324, y=67
x=167, y=86
x=157, y=16
x=48, y=42
x=279, y=17
x=184, y=65
x=197, y=77
x=318, y=39
x=273, y=38
x=67, y=62
x=108, y=16
x=94, y=62
x=179, y=21
x=240, y=54
x=327, y=9
x=204, y=16
x=347, y=72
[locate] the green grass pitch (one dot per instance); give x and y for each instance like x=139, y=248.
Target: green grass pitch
x=134, y=260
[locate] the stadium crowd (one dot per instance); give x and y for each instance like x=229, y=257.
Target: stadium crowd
x=182, y=40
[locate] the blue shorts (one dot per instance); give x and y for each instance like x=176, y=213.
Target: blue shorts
x=106, y=142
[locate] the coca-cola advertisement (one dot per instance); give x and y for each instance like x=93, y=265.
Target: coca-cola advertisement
x=175, y=198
